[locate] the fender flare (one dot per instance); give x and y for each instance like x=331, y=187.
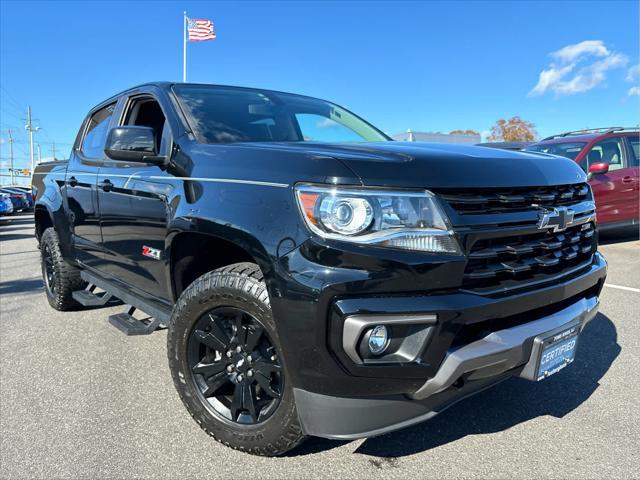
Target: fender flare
x=224, y=232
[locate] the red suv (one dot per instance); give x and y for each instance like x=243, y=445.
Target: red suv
x=611, y=157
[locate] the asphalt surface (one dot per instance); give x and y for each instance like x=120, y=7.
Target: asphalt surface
x=79, y=399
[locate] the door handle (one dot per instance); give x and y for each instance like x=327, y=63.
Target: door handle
x=627, y=179
x=72, y=182
x=106, y=185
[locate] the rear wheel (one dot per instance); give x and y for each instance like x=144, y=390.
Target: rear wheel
x=226, y=363
x=60, y=278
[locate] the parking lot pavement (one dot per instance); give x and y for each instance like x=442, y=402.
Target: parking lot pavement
x=79, y=399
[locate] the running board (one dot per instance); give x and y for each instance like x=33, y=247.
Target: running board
x=158, y=314
x=130, y=325
x=88, y=297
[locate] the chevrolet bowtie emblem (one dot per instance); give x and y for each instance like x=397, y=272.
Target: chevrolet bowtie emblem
x=557, y=219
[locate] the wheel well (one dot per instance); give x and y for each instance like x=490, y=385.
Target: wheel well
x=42, y=221
x=194, y=254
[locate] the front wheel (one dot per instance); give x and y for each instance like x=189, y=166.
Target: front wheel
x=226, y=362
x=60, y=278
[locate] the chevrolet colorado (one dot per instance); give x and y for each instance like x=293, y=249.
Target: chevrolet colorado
x=315, y=277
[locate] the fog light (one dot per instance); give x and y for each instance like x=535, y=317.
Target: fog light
x=378, y=339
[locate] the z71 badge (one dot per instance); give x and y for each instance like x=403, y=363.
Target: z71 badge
x=151, y=252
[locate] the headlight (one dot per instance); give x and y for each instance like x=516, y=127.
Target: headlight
x=386, y=218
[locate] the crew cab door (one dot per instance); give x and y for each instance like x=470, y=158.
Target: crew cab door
x=614, y=191
x=80, y=186
x=134, y=210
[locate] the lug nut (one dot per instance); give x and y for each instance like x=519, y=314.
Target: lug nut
x=273, y=357
x=229, y=353
x=239, y=378
x=229, y=368
x=250, y=373
x=249, y=358
x=238, y=349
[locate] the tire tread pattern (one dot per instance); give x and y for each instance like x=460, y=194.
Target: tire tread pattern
x=68, y=278
x=246, y=278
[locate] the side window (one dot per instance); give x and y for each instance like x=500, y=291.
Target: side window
x=317, y=128
x=634, y=143
x=146, y=112
x=609, y=151
x=96, y=133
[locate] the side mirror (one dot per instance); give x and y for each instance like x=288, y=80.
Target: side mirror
x=133, y=144
x=598, y=168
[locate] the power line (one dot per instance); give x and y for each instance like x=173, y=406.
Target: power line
x=10, y=98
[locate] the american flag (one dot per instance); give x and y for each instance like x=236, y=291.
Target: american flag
x=200, y=30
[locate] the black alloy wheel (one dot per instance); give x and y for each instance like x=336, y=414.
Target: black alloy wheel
x=60, y=278
x=49, y=270
x=228, y=364
x=234, y=366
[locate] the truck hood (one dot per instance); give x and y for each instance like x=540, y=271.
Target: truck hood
x=435, y=165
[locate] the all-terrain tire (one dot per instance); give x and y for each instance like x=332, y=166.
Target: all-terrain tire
x=241, y=286
x=66, y=277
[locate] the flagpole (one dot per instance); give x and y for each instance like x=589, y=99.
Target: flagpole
x=184, y=48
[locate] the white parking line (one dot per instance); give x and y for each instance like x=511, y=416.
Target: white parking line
x=620, y=287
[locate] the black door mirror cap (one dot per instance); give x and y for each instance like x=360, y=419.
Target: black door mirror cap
x=133, y=144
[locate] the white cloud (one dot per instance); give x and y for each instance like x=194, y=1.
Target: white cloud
x=633, y=74
x=578, y=68
x=550, y=78
x=577, y=50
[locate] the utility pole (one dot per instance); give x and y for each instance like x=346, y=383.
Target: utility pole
x=39, y=155
x=11, y=155
x=31, y=129
x=53, y=148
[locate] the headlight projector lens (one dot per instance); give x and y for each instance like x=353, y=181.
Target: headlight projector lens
x=378, y=339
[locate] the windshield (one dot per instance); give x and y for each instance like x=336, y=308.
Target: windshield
x=229, y=114
x=568, y=149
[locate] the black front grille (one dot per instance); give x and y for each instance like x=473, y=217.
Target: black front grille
x=502, y=263
x=496, y=200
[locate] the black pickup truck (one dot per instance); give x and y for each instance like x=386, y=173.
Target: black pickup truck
x=315, y=277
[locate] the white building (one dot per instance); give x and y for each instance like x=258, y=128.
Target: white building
x=411, y=136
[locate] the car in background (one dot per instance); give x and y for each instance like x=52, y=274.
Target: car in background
x=18, y=199
x=6, y=206
x=505, y=145
x=611, y=158
x=25, y=190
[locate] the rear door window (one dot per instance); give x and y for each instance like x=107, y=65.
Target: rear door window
x=634, y=143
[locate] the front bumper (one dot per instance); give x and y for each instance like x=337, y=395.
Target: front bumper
x=464, y=371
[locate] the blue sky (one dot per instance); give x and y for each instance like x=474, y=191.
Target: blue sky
x=428, y=66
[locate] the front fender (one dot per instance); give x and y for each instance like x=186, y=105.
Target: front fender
x=261, y=220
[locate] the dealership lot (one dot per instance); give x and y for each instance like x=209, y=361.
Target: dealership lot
x=79, y=399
